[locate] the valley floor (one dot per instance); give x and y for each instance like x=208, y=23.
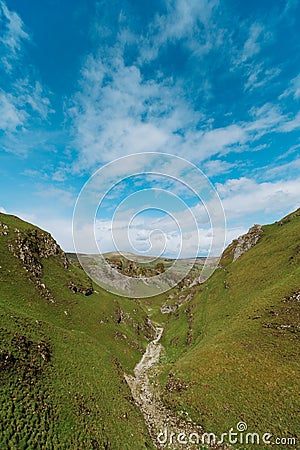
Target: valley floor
x=167, y=429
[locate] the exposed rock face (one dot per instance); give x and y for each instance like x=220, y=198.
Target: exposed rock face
x=133, y=269
x=248, y=240
x=32, y=246
x=85, y=290
x=148, y=329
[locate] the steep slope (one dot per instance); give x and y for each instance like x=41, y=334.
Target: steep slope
x=232, y=352
x=65, y=345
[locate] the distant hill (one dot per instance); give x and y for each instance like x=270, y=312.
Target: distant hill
x=144, y=276
x=231, y=343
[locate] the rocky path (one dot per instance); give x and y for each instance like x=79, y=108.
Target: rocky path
x=166, y=428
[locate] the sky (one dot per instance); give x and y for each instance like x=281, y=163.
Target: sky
x=85, y=83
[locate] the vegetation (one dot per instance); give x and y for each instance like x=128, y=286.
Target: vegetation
x=135, y=269
x=231, y=346
x=62, y=362
x=242, y=361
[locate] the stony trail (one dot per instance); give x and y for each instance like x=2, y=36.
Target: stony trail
x=166, y=428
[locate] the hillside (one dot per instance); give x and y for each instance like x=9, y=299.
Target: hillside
x=64, y=348
x=232, y=351
x=141, y=276
x=229, y=352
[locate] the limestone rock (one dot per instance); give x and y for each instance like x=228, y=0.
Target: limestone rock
x=31, y=247
x=34, y=245
x=247, y=241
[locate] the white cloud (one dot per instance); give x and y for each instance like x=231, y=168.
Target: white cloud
x=34, y=96
x=127, y=114
x=111, y=121
x=11, y=117
x=296, y=86
x=23, y=100
x=291, y=125
x=258, y=76
x=293, y=89
x=118, y=111
x=252, y=45
x=181, y=22
x=21, y=103
x=217, y=167
x=62, y=195
x=152, y=237
x=214, y=141
x=266, y=118
x=293, y=149
x=244, y=196
x=291, y=168
x=13, y=35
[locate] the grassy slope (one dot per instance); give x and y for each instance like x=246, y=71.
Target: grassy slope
x=62, y=363
x=243, y=360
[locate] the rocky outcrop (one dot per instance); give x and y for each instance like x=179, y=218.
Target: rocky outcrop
x=134, y=269
x=79, y=288
x=30, y=247
x=167, y=309
x=289, y=217
x=34, y=245
x=146, y=328
x=247, y=241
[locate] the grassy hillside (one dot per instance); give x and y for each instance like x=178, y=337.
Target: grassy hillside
x=63, y=354
x=231, y=348
x=232, y=352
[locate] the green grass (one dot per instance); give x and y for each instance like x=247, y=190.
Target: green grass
x=234, y=345
x=243, y=363
x=77, y=398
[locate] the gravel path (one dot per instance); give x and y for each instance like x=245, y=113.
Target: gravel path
x=161, y=422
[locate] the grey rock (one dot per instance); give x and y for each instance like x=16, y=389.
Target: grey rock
x=247, y=241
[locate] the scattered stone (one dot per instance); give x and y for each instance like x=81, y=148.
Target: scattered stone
x=78, y=288
x=174, y=384
x=158, y=417
x=295, y=297
x=4, y=230
x=167, y=309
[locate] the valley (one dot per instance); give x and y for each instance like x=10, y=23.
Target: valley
x=83, y=368
x=141, y=276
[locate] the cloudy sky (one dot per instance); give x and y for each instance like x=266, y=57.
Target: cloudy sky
x=84, y=83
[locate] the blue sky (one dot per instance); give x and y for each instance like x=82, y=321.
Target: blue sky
x=83, y=83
